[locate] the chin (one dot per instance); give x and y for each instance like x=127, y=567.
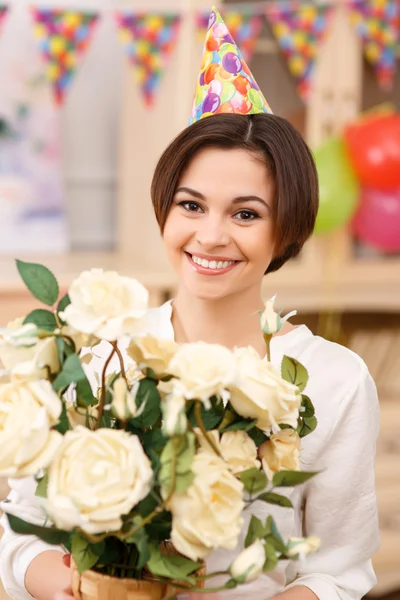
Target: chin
x=208, y=292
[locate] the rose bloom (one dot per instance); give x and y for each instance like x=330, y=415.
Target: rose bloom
x=27, y=413
x=271, y=322
x=209, y=514
x=105, y=304
x=281, y=452
x=152, y=352
x=204, y=370
x=302, y=546
x=25, y=355
x=236, y=447
x=249, y=562
x=262, y=394
x=95, y=478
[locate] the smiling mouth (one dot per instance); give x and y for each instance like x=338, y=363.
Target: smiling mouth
x=210, y=267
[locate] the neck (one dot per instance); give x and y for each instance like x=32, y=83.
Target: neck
x=229, y=321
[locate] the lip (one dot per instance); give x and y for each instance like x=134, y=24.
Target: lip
x=206, y=271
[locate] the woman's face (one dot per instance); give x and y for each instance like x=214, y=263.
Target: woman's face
x=219, y=231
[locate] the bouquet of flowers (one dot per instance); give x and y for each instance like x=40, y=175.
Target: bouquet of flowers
x=142, y=478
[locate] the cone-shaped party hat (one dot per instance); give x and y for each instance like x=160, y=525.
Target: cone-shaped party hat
x=225, y=83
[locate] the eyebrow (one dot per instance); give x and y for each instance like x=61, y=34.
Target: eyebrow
x=237, y=200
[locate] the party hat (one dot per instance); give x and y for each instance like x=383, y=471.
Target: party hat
x=225, y=83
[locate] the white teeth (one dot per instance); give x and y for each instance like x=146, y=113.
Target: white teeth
x=213, y=264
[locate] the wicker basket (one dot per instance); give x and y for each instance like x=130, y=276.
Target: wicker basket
x=95, y=586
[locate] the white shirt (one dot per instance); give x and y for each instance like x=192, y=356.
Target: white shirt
x=338, y=505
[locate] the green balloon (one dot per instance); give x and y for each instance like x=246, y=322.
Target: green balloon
x=338, y=187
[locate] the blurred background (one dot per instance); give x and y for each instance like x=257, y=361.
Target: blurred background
x=92, y=91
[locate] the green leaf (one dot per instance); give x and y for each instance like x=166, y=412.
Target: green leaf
x=291, y=478
x=160, y=527
x=294, y=372
x=41, y=490
x=254, y=480
x=243, y=425
x=274, y=537
x=172, y=567
x=63, y=425
x=84, y=394
x=307, y=426
x=141, y=542
x=229, y=417
x=307, y=406
x=271, y=558
x=176, y=462
x=40, y=281
x=276, y=499
x=72, y=372
x=256, y=531
x=64, y=302
x=50, y=535
x=257, y=436
x=154, y=439
x=147, y=505
x=85, y=554
x=211, y=417
x=43, y=319
x=148, y=394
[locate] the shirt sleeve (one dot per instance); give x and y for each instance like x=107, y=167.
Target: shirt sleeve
x=340, y=502
x=17, y=551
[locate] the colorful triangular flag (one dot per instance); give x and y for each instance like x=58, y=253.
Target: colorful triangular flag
x=244, y=26
x=149, y=40
x=377, y=22
x=299, y=29
x=63, y=37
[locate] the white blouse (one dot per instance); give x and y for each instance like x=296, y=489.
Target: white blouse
x=338, y=505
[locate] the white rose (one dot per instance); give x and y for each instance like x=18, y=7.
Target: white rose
x=174, y=416
x=281, y=452
x=95, y=478
x=204, y=370
x=105, y=304
x=25, y=355
x=271, y=322
x=262, y=394
x=209, y=514
x=123, y=404
x=152, y=352
x=236, y=447
x=302, y=546
x=248, y=565
x=27, y=413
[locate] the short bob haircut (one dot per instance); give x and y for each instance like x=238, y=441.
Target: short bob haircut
x=285, y=154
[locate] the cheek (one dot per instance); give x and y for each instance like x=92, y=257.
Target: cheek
x=257, y=243
x=176, y=232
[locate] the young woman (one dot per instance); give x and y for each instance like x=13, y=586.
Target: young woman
x=235, y=197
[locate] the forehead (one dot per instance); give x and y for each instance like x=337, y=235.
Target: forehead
x=233, y=172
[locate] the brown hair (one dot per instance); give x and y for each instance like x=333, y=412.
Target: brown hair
x=288, y=159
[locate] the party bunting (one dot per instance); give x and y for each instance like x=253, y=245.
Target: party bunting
x=244, y=27
x=63, y=37
x=377, y=23
x=149, y=40
x=299, y=29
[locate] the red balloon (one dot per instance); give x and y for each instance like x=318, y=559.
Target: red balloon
x=377, y=221
x=374, y=147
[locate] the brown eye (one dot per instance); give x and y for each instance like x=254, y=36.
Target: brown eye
x=191, y=206
x=246, y=215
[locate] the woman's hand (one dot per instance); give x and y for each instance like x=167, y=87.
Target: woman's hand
x=67, y=593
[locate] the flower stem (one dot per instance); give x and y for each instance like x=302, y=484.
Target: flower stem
x=210, y=441
x=267, y=340
x=121, y=360
x=103, y=389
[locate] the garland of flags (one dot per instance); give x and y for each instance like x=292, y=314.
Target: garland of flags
x=149, y=39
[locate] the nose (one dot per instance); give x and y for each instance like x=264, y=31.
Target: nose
x=212, y=232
